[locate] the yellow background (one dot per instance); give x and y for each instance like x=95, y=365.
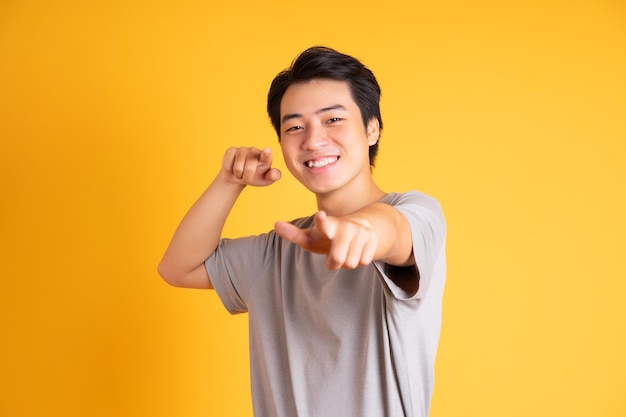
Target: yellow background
x=114, y=116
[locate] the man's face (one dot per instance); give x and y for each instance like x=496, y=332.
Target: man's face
x=324, y=142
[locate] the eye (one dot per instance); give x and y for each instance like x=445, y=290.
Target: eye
x=293, y=128
x=334, y=120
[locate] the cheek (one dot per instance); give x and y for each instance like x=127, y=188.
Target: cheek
x=294, y=169
x=288, y=157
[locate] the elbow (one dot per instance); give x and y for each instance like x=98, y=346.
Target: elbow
x=196, y=278
x=168, y=275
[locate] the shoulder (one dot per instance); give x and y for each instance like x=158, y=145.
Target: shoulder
x=303, y=222
x=412, y=198
x=421, y=210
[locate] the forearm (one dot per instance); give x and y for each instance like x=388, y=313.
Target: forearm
x=395, y=244
x=375, y=232
x=198, y=234
x=392, y=231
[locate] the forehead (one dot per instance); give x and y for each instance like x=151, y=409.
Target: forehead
x=311, y=96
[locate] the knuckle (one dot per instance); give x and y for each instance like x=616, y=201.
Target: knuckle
x=333, y=261
x=351, y=263
x=333, y=258
x=237, y=167
x=366, y=259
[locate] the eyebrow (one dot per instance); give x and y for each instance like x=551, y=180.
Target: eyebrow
x=322, y=110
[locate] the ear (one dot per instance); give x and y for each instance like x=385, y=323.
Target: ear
x=373, y=131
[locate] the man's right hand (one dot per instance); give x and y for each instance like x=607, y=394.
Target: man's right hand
x=199, y=232
x=249, y=166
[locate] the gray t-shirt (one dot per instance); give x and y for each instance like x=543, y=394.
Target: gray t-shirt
x=337, y=343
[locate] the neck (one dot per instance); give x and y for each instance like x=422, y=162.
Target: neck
x=343, y=202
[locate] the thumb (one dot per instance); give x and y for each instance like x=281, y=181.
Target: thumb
x=273, y=175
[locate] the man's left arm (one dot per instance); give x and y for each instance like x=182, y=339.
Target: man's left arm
x=377, y=232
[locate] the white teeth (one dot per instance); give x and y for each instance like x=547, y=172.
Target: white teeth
x=321, y=162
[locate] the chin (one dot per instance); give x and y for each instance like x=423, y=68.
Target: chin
x=320, y=189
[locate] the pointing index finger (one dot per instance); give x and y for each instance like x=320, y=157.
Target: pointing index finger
x=323, y=224
x=266, y=156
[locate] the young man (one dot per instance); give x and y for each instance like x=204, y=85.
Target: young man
x=344, y=306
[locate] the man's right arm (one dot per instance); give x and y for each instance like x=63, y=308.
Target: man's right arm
x=198, y=234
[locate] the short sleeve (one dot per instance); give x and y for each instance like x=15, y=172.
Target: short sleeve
x=236, y=265
x=428, y=233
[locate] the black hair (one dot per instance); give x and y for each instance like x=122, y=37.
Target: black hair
x=321, y=62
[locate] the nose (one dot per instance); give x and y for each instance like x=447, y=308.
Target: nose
x=316, y=137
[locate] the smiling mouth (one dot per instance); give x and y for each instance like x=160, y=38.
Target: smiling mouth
x=321, y=163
